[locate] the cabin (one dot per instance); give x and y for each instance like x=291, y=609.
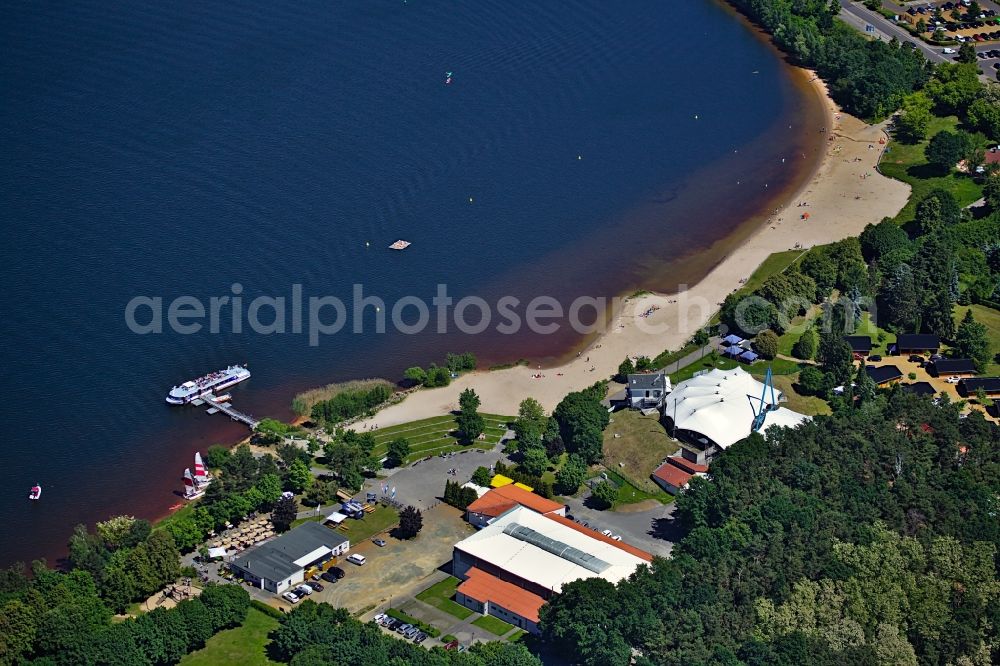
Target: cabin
x=861, y=345
x=916, y=343
x=920, y=388
x=884, y=375
x=952, y=367
x=970, y=387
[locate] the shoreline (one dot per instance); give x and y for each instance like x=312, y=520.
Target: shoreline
x=844, y=193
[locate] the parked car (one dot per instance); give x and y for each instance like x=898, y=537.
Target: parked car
x=379, y=618
x=953, y=380
x=329, y=577
x=403, y=628
x=357, y=559
x=379, y=542
x=420, y=638
x=290, y=597
x=915, y=358
x=337, y=572
x=303, y=590
x=411, y=632
x=451, y=646
x=392, y=624
x=606, y=533
x=318, y=587
x=875, y=357
x=616, y=537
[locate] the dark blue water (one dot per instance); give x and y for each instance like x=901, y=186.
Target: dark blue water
x=169, y=149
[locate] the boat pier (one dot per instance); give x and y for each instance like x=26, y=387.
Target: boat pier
x=217, y=405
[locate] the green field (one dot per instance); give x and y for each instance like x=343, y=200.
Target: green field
x=494, y=625
x=516, y=636
x=989, y=318
x=803, y=404
x=356, y=531
x=779, y=366
x=908, y=164
x=641, y=445
x=243, y=645
x=440, y=595
x=867, y=327
x=774, y=264
x=630, y=492
x=431, y=436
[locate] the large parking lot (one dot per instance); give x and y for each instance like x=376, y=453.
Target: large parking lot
x=400, y=567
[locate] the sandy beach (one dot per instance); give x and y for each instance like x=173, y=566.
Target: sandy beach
x=844, y=194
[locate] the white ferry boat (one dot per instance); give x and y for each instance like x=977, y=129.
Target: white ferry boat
x=207, y=385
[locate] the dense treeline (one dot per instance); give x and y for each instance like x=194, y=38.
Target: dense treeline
x=319, y=634
x=59, y=618
x=868, y=78
x=350, y=403
x=866, y=537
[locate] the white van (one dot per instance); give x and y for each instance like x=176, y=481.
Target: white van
x=356, y=559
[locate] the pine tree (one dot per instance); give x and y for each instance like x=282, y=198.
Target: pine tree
x=410, y=523
x=973, y=341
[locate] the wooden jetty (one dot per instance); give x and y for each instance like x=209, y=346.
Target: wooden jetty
x=217, y=405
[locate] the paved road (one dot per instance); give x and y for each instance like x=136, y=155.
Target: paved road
x=858, y=16
x=652, y=530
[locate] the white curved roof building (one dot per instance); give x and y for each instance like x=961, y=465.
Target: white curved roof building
x=718, y=407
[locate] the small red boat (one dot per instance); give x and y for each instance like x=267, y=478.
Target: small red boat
x=36, y=492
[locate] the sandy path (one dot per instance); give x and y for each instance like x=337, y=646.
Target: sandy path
x=841, y=199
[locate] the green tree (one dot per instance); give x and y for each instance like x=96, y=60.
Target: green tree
x=18, y=630
x=216, y=456
x=582, y=420
x=530, y=425
x=535, y=462
x=269, y=486
x=991, y=192
x=470, y=422
x=397, y=451
x=320, y=493
x=835, y=357
x=972, y=340
x=805, y=346
x=625, y=368
x=227, y=605
x=582, y=620
x=912, y=124
x=437, y=376
x=284, y=513
x=967, y=54
x=299, y=476
x=605, y=493
x=883, y=238
x=186, y=533
x=984, y=115
x=416, y=374
x=766, y=344
x=411, y=521
x=945, y=149
x=571, y=475
x=482, y=477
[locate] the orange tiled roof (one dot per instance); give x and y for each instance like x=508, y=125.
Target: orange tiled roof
x=501, y=500
x=593, y=534
x=673, y=475
x=481, y=586
x=687, y=465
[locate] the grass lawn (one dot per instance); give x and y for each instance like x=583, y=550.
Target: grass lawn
x=797, y=327
x=803, y=404
x=989, y=318
x=379, y=520
x=629, y=491
x=908, y=164
x=440, y=595
x=779, y=366
x=436, y=435
x=494, y=625
x=642, y=444
x=774, y=264
x=243, y=645
x=516, y=636
x=867, y=327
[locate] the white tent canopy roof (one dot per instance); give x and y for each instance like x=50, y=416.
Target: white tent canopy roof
x=336, y=517
x=720, y=405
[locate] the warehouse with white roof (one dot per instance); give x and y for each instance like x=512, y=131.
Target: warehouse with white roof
x=716, y=409
x=511, y=566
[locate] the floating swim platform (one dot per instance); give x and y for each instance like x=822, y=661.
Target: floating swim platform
x=400, y=245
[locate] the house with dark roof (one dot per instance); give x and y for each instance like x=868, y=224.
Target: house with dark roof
x=952, y=367
x=909, y=343
x=647, y=391
x=970, y=386
x=861, y=345
x=920, y=388
x=883, y=374
x=280, y=563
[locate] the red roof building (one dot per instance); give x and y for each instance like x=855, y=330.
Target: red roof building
x=501, y=500
x=493, y=596
x=676, y=472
